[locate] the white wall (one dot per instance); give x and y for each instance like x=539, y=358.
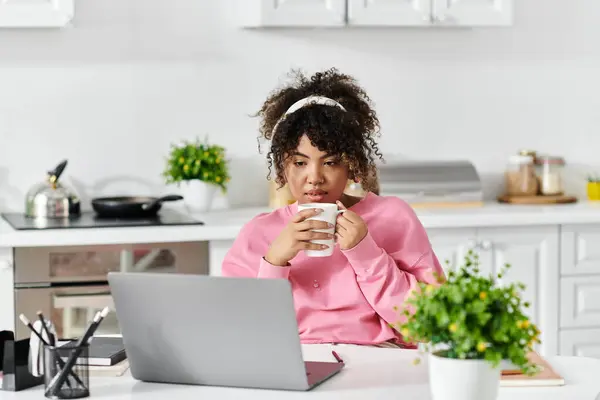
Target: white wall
x=127, y=78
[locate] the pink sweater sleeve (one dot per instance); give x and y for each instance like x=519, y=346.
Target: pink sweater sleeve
x=387, y=278
x=245, y=258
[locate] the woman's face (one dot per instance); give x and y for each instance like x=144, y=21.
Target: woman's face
x=314, y=176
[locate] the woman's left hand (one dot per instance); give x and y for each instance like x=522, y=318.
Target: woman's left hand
x=350, y=228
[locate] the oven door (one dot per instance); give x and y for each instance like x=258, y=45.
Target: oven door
x=71, y=308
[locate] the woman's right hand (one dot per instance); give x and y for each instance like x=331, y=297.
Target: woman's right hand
x=296, y=236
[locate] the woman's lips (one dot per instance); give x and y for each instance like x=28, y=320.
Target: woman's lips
x=316, y=195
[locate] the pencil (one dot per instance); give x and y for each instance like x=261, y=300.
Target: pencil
x=43, y=321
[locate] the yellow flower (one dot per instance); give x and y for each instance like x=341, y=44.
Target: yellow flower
x=181, y=160
x=218, y=179
x=429, y=289
x=526, y=323
x=481, y=347
x=404, y=332
x=186, y=168
x=206, y=154
x=453, y=327
x=519, y=324
x=482, y=295
x=218, y=160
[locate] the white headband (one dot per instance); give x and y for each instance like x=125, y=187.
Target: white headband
x=322, y=100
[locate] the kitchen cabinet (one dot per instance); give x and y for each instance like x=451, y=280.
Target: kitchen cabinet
x=291, y=13
x=376, y=13
x=36, y=13
x=580, y=290
x=472, y=12
x=389, y=13
x=7, y=294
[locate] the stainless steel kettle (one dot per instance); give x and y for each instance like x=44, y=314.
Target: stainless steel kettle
x=52, y=199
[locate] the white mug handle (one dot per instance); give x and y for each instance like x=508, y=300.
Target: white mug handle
x=339, y=211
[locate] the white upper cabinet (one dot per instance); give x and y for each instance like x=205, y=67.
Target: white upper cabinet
x=36, y=13
x=472, y=12
x=398, y=13
x=389, y=12
x=292, y=13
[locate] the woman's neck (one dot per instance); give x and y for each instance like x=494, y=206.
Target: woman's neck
x=348, y=201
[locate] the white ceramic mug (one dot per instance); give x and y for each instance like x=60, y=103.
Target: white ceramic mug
x=329, y=214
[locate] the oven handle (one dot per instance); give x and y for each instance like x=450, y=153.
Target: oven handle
x=96, y=301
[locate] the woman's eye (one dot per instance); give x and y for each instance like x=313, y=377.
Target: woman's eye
x=330, y=163
x=299, y=163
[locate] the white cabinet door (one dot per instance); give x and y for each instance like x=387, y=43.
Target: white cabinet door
x=580, y=302
x=580, y=343
x=36, y=13
x=389, y=12
x=291, y=13
x=473, y=12
x=533, y=254
x=451, y=245
x=7, y=293
x=580, y=249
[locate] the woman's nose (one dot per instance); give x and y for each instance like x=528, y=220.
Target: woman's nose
x=315, y=176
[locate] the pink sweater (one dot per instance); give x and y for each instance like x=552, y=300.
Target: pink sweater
x=349, y=297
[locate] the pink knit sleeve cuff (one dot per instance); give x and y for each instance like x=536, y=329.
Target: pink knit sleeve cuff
x=365, y=250
x=267, y=270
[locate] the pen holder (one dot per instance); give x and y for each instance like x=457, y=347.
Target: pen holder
x=14, y=364
x=66, y=372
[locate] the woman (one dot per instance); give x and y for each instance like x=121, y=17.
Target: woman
x=322, y=132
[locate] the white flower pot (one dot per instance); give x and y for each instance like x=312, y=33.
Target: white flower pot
x=455, y=379
x=198, y=195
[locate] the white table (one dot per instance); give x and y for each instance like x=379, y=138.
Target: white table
x=370, y=373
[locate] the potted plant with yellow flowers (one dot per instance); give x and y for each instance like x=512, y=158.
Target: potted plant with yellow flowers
x=199, y=169
x=470, y=326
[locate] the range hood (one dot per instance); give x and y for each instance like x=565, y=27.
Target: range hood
x=431, y=182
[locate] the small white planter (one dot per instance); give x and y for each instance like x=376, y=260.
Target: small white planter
x=198, y=195
x=453, y=379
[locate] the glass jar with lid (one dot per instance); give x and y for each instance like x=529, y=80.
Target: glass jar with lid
x=520, y=177
x=551, y=174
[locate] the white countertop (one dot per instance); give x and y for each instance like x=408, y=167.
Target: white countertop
x=226, y=224
x=370, y=373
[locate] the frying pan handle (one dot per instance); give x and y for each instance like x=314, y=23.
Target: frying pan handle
x=57, y=172
x=170, y=197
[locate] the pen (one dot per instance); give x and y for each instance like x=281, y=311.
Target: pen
x=61, y=363
x=43, y=321
x=60, y=378
x=338, y=358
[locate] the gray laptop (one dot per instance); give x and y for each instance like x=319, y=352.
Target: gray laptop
x=217, y=331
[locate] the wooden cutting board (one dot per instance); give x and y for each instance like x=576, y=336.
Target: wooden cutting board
x=546, y=377
x=560, y=199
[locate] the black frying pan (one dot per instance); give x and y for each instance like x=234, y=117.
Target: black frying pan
x=130, y=207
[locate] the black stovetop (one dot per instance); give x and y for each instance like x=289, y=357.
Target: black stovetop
x=91, y=220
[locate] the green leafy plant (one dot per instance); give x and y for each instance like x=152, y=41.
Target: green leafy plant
x=197, y=160
x=470, y=316
x=593, y=178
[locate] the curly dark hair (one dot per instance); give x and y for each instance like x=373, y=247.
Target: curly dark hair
x=348, y=134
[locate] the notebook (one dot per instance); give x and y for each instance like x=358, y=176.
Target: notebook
x=104, y=351
x=546, y=377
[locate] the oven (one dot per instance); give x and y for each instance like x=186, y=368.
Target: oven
x=69, y=283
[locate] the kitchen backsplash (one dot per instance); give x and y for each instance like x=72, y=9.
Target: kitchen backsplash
x=114, y=90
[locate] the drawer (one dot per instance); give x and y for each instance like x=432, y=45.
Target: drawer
x=580, y=249
x=580, y=302
x=580, y=343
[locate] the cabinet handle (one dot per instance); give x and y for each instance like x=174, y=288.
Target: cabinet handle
x=485, y=244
